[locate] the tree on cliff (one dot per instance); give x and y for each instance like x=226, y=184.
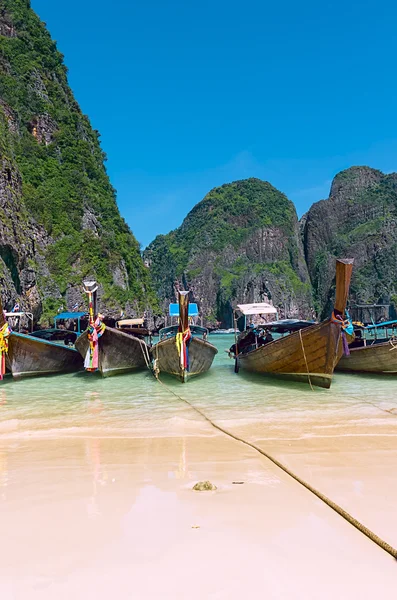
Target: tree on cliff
x=240, y=243
x=59, y=220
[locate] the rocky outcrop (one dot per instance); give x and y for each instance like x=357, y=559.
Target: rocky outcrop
x=43, y=127
x=7, y=28
x=241, y=243
x=358, y=220
x=59, y=221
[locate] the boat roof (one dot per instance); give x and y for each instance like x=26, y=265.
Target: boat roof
x=287, y=325
x=262, y=308
x=193, y=310
x=70, y=315
x=19, y=314
x=384, y=324
x=174, y=328
x=127, y=322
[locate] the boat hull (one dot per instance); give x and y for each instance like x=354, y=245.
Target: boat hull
x=29, y=357
x=374, y=358
x=201, y=356
x=309, y=355
x=118, y=352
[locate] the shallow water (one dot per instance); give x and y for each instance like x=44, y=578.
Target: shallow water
x=135, y=405
x=96, y=477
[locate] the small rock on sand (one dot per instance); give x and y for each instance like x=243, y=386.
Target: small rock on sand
x=204, y=486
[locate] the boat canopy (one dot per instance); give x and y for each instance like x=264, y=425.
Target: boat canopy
x=257, y=309
x=20, y=314
x=173, y=330
x=383, y=324
x=129, y=322
x=69, y=315
x=193, y=310
x=287, y=325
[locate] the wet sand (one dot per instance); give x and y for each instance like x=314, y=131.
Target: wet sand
x=111, y=517
x=96, y=496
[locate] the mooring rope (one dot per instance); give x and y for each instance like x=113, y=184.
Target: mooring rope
x=338, y=509
x=304, y=356
x=390, y=411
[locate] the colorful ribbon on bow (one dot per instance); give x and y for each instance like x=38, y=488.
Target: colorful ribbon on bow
x=95, y=330
x=5, y=333
x=182, y=343
x=347, y=328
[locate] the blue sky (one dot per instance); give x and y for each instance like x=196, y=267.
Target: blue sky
x=191, y=95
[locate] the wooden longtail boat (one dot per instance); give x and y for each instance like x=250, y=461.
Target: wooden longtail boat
x=377, y=355
x=117, y=352
x=179, y=352
x=28, y=356
x=310, y=354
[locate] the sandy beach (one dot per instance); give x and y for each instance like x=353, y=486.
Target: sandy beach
x=96, y=481
x=112, y=517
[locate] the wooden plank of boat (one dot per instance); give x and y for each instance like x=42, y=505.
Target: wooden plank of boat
x=29, y=356
x=201, y=356
x=118, y=352
x=308, y=355
x=379, y=357
x=169, y=358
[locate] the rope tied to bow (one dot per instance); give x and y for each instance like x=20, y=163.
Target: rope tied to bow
x=5, y=332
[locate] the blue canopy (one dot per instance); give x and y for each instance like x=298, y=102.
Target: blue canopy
x=70, y=315
x=193, y=310
x=384, y=324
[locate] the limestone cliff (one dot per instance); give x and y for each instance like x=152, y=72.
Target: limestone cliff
x=241, y=243
x=59, y=220
x=359, y=220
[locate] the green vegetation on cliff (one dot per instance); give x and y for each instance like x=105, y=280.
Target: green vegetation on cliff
x=228, y=216
x=241, y=242
x=51, y=144
x=358, y=220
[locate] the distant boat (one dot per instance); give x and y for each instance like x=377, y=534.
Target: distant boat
x=376, y=355
x=180, y=351
x=107, y=349
x=134, y=327
x=309, y=354
x=28, y=356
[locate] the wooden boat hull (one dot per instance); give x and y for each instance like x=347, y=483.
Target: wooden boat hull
x=374, y=358
x=201, y=356
x=118, y=352
x=309, y=355
x=29, y=356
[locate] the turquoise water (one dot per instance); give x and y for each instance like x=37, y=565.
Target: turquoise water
x=135, y=405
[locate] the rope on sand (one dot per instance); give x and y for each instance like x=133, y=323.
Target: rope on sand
x=338, y=509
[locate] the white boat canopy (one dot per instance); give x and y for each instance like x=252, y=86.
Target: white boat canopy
x=129, y=322
x=257, y=309
x=19, y=314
